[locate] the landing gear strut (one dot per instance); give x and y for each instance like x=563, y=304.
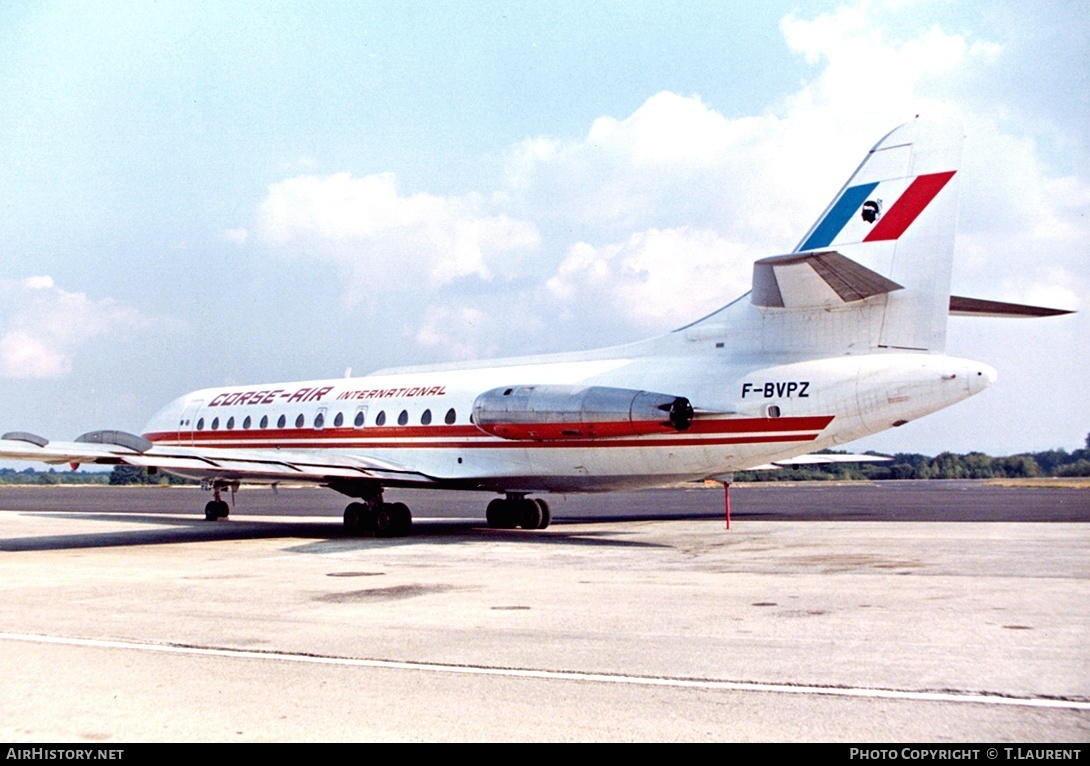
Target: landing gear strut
x=517, y=510
x=374, y=517
x=218, y=509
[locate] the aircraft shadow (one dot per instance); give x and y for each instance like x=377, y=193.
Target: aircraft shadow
x=175, y=531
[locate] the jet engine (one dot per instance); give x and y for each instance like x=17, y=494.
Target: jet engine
x=552, y=412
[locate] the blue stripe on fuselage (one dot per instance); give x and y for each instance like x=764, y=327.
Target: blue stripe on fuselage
x=838, y=217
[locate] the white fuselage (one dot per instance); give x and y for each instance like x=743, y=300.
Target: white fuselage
x=746, y=415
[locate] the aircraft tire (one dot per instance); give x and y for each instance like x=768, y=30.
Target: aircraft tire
x=215, y=510
x=403, y=519
x=546, y=514
x=528, y=513
x=496, y=513
x=355, y=517
x=393, y=520
x=503, y=513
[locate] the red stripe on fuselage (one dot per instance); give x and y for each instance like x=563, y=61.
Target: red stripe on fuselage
x=701, y=433
x=507, y=444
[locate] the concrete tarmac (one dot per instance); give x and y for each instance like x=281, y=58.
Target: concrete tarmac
x=642, y=618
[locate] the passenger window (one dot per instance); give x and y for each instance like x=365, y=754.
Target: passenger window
x=299, y=421
x=264, y=421
x=246, y=422
x=281, y=421
x=200, y=424
x=215, y=423
x=451, y=417
x=339, y=420
x=425, y=419
x=403, y=418
x=360, y=416
x=230, y=423
x=319, y=420
x=380, y=418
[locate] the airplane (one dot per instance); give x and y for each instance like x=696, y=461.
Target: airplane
x=841, y=338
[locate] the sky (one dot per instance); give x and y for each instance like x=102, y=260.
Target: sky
x=196, y=194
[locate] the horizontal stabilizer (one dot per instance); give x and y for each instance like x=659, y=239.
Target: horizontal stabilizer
x=815, y=280
x=976, y=307
x=801, y=460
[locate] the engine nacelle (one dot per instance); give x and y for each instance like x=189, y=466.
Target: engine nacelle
x=554, y=412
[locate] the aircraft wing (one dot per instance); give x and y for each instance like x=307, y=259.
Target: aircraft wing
x=802, y=460
x=263, y=466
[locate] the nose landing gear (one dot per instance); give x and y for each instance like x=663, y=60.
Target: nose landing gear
x=217, y=508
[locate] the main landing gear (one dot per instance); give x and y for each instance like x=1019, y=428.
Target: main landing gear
x=374, y=517
x=517, y=510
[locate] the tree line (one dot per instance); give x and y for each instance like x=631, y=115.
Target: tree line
x=121, y=474
x=947, y=465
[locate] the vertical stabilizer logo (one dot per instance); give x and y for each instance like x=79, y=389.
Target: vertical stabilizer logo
x=872, y=208
x=888, y=225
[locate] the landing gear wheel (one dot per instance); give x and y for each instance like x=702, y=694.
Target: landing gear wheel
x=494, y=513
x=528, y=513
x=501, y=514
x=393, y=520
x=356, y=517
x=546, y=514
x=215, y=509
x=403, y=519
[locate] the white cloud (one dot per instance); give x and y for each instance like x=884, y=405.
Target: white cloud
x=237, y=235
x=674, y=161
x=1055, y=290
x=379, y=236
x=458, y=333
x=42, y=326
x=43, y=282
x=656, y=279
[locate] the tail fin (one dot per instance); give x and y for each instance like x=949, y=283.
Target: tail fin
x=885, y=243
